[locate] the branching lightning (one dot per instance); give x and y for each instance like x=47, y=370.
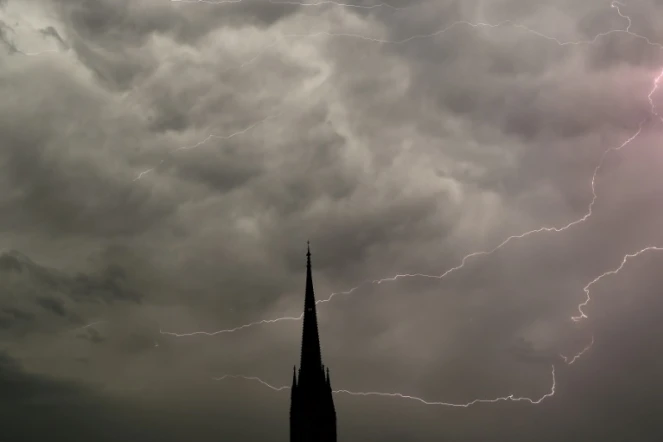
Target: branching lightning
x=509, y=398
x=587, y=288
x=589, y=212
x=465, y=259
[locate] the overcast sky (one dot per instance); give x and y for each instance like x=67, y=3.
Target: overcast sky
x=163, y=164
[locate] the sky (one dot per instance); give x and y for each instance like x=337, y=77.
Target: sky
x=164, y=163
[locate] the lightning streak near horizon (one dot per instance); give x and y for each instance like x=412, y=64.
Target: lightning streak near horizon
x=509, y=398
x=568, y=360
x=511, y=238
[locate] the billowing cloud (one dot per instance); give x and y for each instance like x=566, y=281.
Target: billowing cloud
x=165, y=162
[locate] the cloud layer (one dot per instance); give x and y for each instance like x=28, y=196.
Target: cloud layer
x=165, y=162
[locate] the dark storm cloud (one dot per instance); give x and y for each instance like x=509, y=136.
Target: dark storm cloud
x=31, y=292
x=67, y=193
x=20, y=388
x=102, y=32
x=10, y=315
x=18, y=314
x=111, y=284
x=137, y=343
x=91, y=335
x=116, y=23
x=53, y=305
x=390, y=158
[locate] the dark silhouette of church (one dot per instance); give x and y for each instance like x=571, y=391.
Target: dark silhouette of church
x=312, y=412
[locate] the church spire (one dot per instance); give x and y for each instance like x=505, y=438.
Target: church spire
x=309, y=300
x=312, y=412
x=311, y=359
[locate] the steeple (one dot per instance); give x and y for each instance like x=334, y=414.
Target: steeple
x=312, y=412
x=311, y=359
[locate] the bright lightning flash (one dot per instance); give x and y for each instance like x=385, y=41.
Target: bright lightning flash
x=463, y=262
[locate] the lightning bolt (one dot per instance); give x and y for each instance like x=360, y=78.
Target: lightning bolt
x=320, y=3
x=345, y=5
x=35, y=54
x=657, y=81
x=209, y=137
x=511, y=238
x=571, y=360
x=251, y=378
x=509, y=398
x=232, y=330
x=585, y=217
x=210, y=2
x=91, y=324
x=587, y=288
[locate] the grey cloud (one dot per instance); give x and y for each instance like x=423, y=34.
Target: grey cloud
x=526, y=351
x=390, y=158
x=18, y=314
x=91, y=335
x=99, y=30
x=70, y=192
x=138, y=343
x=110, y=285
x=30, y=290
x=5, y=39
x=53, y=305
x=50, y=31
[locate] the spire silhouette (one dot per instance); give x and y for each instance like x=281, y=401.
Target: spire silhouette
x=312, y=412
x=311, y=357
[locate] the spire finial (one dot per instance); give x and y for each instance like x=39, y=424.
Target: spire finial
x=308, y=253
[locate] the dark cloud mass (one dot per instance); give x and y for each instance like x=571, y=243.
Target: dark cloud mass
x=164, y=162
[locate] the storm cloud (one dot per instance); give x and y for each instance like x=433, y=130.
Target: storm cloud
x=163, y=164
